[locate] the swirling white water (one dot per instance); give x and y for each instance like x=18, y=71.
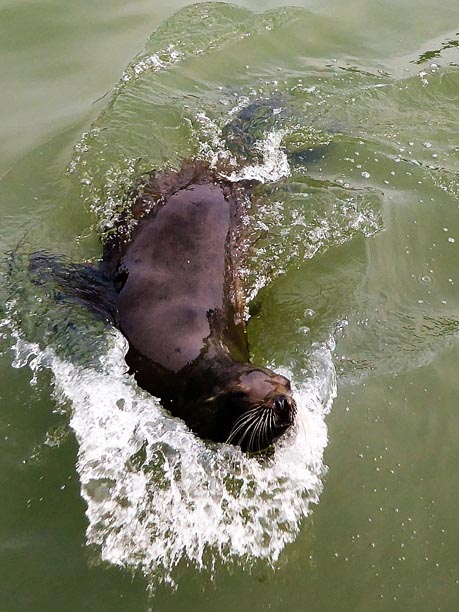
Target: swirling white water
x=157, y=494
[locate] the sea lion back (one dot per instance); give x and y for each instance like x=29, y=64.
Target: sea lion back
x=175, y=275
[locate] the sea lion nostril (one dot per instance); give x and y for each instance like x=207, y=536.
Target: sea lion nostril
x=281, y=404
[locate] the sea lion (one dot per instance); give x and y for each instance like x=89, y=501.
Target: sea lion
x=179, y=305
x=168, y=279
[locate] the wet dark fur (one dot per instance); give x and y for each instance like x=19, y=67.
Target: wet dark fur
x=171, y=286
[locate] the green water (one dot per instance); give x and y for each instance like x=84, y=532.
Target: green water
x=361, y=249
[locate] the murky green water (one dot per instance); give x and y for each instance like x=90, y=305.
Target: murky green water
x=357, y=263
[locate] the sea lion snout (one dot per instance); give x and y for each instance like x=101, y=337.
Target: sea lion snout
x=263, y=409
x=285, y=409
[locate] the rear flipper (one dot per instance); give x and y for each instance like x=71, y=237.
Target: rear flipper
x=251, y=125
x=83, y=284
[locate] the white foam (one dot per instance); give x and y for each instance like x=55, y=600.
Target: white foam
x=153, y=62
x=274, y=165
x=157, y=494
x=213, y=147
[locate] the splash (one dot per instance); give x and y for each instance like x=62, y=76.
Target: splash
x=274, y=165
x=157, y=494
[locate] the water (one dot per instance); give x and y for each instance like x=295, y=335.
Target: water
x=353, y=274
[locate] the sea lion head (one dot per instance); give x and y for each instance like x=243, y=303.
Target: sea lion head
x=260, y=407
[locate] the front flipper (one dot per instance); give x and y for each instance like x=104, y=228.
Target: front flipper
x=83, y=284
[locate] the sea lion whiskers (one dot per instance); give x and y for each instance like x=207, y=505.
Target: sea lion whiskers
x=272, y=421
x=244, y=427
x=245, y=416
x=264, y=427
x=261, y=429
x=252, y=424
x=241, y=422
x=255, y=433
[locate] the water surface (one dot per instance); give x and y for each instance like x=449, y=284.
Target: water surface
x=354, y=277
